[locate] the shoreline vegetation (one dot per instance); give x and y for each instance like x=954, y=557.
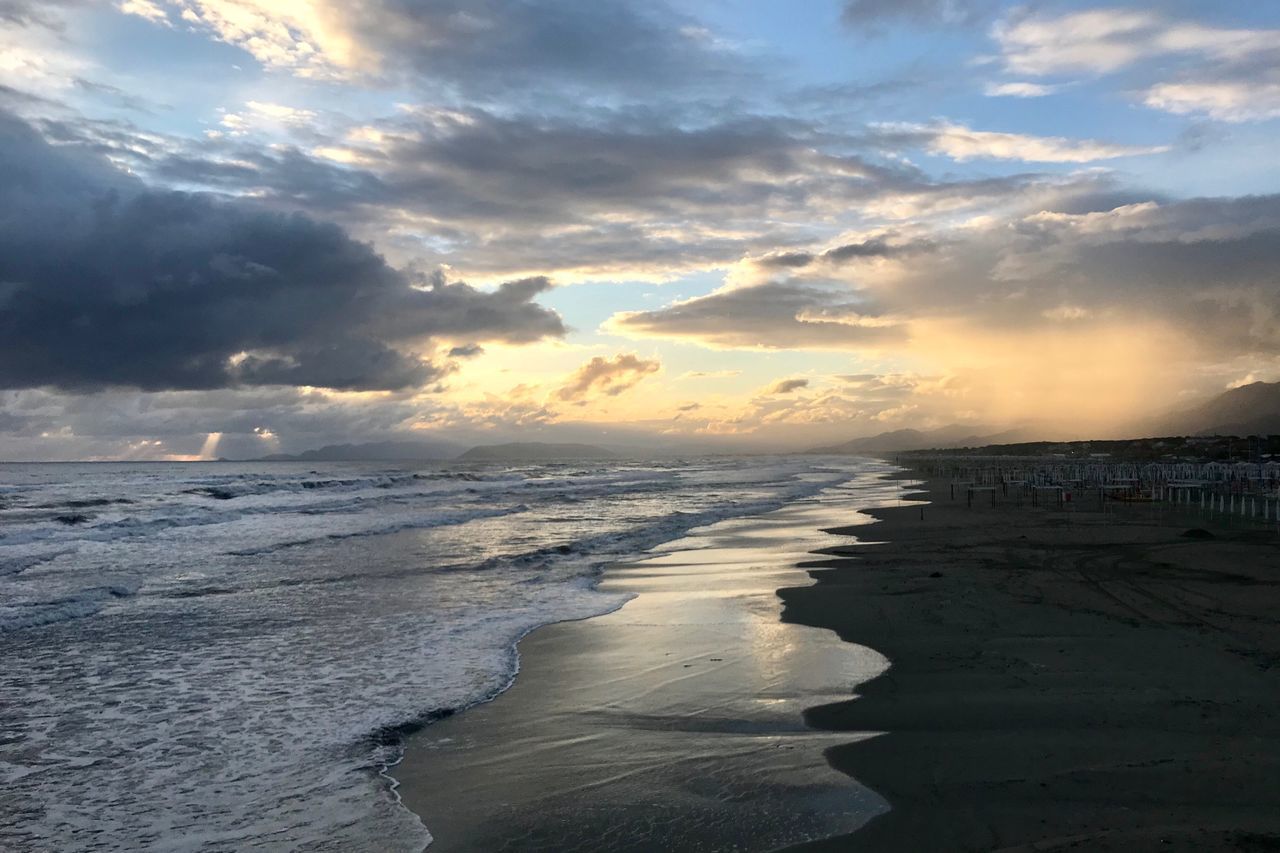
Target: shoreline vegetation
x=1094, y=676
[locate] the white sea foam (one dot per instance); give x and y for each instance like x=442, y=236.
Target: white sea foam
x=223, y=661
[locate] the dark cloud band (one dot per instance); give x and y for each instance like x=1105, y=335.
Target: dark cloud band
x=104, y=282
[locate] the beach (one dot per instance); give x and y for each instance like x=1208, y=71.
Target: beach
x=1060, y=680
x=1057, y=680
x=673, y=723
x=169, y=629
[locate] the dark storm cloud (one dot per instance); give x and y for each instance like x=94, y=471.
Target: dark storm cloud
x=106, y=283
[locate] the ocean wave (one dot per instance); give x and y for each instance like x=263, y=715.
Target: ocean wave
x=18, y=564
x=423, y=523
x=234, y=487
x=84, y=503
x=33, y=614
x=160, y=681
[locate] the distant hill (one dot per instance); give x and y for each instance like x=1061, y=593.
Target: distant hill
x=1252, y=409
x=535, y=451
x=955, y=435
x=377, y=451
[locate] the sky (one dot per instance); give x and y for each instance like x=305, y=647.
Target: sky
x=237, y=227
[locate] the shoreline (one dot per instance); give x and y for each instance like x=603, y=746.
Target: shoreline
x=674, y=720
x=1059, y=680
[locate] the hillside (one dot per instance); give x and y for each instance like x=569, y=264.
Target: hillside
x=1252, y=409
x=378, y=451
x=535, y=451
x=955, y=435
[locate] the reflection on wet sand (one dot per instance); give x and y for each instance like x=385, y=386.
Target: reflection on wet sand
x=673, y=721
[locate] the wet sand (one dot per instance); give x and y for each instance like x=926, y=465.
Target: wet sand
x=675, y=723
x=1060, y=680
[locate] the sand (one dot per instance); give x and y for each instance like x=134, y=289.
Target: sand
x=1059, y=681
x=674, y=723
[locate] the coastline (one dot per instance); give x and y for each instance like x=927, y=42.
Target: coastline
x=1059, y=680
x=675, y=721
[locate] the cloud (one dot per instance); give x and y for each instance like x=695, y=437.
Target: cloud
x=108, y=283
x=1224, y=100
x=786, y=386
x=35, y=56
x=259, y=114
x=961, y=143
x=1018, y=90
x=709, y=374
x=1230, y=74
x=1106, y=40
x=145, y=9
x=875, y=14
x=1202, y=270
x=107, y=423
x=116, y=95
x=478, y=47
x=626, y=194
x=25, y=13
x=516, y=192
x=774, y=315
x=875, y=247
x=607, y=377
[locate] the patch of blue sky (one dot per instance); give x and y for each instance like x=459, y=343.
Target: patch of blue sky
x=586, y=305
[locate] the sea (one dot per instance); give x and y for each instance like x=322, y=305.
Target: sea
x=226, y=656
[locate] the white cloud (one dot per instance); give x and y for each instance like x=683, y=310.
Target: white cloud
x=1106, y=40
x=308, y=37
x=259, y=115
x=1018, y=90
x=36, y=60
x=1230, y=74
x=961, y=143
x=280, y=112
x=145, y=9
x=1101, y=40
x=1225, y=100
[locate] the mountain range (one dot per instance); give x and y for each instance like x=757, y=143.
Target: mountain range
x=1252, y=409
x=422, y=451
